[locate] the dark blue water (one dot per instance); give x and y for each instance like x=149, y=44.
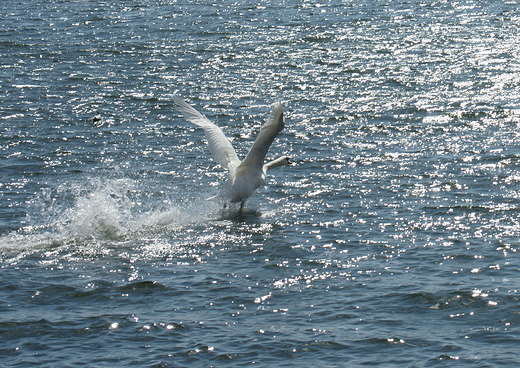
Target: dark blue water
x=393, y=241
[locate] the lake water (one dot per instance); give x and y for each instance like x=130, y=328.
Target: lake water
x=392, y=241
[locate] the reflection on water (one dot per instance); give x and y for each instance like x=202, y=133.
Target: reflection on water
x=402, y=119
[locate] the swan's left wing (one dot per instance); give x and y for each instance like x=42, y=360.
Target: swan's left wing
x=220, y=147
x=268, y=132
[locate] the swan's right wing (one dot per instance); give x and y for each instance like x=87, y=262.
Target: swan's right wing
x=268, y=132
x=220, y=147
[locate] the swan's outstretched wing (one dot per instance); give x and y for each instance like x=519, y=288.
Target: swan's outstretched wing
x=220, y=147
x=268, y=132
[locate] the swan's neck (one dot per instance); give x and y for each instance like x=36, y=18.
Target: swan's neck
x=281, y=161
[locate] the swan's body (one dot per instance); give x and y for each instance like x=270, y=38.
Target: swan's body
x=247, y=175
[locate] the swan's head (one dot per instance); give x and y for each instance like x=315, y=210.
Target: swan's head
x=280, y=161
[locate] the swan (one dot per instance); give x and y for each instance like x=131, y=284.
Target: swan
x=247, y=175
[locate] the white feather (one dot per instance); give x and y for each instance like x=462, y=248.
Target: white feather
x=246, y=176
x=220, y=147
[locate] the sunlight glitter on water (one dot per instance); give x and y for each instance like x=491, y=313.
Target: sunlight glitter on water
x=402, y=119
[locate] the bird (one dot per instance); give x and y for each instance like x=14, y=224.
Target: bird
x=244, y=176
x=97, y=119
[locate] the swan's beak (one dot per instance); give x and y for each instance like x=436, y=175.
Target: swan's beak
x=289, y=162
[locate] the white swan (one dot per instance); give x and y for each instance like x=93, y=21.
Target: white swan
x=244, y=176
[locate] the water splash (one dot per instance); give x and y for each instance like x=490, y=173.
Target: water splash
x=105, y=213
x=99, y=211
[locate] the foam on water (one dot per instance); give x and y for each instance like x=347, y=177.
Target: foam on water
x=108, y=211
